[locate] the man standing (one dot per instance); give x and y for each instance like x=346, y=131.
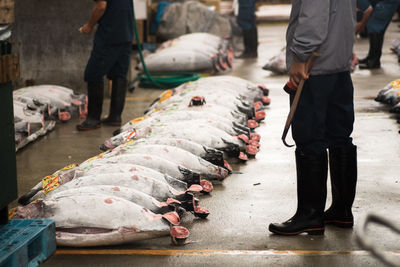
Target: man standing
x=325, y=114
x=377, y=15
x=247, y=22
x=110, y=56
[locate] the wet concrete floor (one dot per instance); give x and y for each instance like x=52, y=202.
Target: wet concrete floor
x=235, y=234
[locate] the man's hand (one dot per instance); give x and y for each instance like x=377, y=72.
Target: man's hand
x=359, y=27
x=86, y=29
x=297, y=73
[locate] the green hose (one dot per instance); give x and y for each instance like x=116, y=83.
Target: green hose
x=159, y=80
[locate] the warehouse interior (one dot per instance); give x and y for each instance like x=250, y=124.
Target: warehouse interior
x=260, y=191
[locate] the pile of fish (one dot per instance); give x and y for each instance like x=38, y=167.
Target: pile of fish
x=390, y=95
x=396, y=48
x=277, y=64
x=155, y=167
x=36, y=109
x=191, y=52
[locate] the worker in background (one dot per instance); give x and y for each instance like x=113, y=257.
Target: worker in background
x=325, y=114
x=110, y=56
x=376, y=18
x=247, y=21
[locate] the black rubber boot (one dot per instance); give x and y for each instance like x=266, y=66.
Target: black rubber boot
x=311, y=196
x=373, y=60
x=117, y=102
x=250, y=40
x=343, y=169
x=95, y=104
x=365, y=60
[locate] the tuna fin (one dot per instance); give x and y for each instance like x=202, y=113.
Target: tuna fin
x=231, y=148
x=25, y=199
x=175, y=183
x=190, y=176
x=241, y=126
x=214, y=156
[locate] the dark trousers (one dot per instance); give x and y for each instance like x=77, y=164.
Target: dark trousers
x=325, y=114
x=110, y=60
x=247, y=14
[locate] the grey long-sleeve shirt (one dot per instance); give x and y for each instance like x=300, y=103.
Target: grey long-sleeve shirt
x=323, y=26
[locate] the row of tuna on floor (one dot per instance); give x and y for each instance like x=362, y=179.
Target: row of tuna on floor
x=390, y=95
x=37, y=108
x=155, y=167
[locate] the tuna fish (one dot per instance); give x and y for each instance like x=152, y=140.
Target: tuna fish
x=212, y=155
x=177, y=155
x=177, y=115
x=157, y=163
x=67, y=174
x=159, y=190
x=98, y=220
x=201, y=133
x=191, y=52
x=138, y=197
x=390, y=94
x=277, y=64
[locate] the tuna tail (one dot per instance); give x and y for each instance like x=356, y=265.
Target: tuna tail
x=214, y=156
x=25, y=199
x=192, y=206
x=240, y=131
x=188, y=196
x=172, y=207
x=249, y=112
x=239, y=116
x=190, y=177
x=117, y=132
x=175, y=183
x=231, y=149
x=241, y=126
x=103, y=147
x=264, y=89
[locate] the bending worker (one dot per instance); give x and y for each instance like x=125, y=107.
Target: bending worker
x=110, y=56
x=325, y=114
x=247, y=21
x=377, y=15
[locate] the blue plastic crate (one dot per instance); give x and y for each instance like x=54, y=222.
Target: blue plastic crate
x=26, y=242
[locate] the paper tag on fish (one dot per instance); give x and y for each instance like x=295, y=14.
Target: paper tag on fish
x=11, y=213
x=99, y=156
x=396, y=84
x=131, y=135
x=49, y=183
x=66, y=168
x=166, y=95
x=139, y=119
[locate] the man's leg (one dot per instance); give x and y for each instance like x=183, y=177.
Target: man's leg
x=377, y=25
x=119, y=85
x=247, y=22
x=101, y=60
x=308, y=130
x=342, y=153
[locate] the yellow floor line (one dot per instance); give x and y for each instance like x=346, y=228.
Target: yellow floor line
x=184, y=252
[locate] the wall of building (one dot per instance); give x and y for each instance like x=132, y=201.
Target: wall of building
x=51, y=48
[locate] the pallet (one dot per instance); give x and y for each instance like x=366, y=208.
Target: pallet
x=26, y=242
